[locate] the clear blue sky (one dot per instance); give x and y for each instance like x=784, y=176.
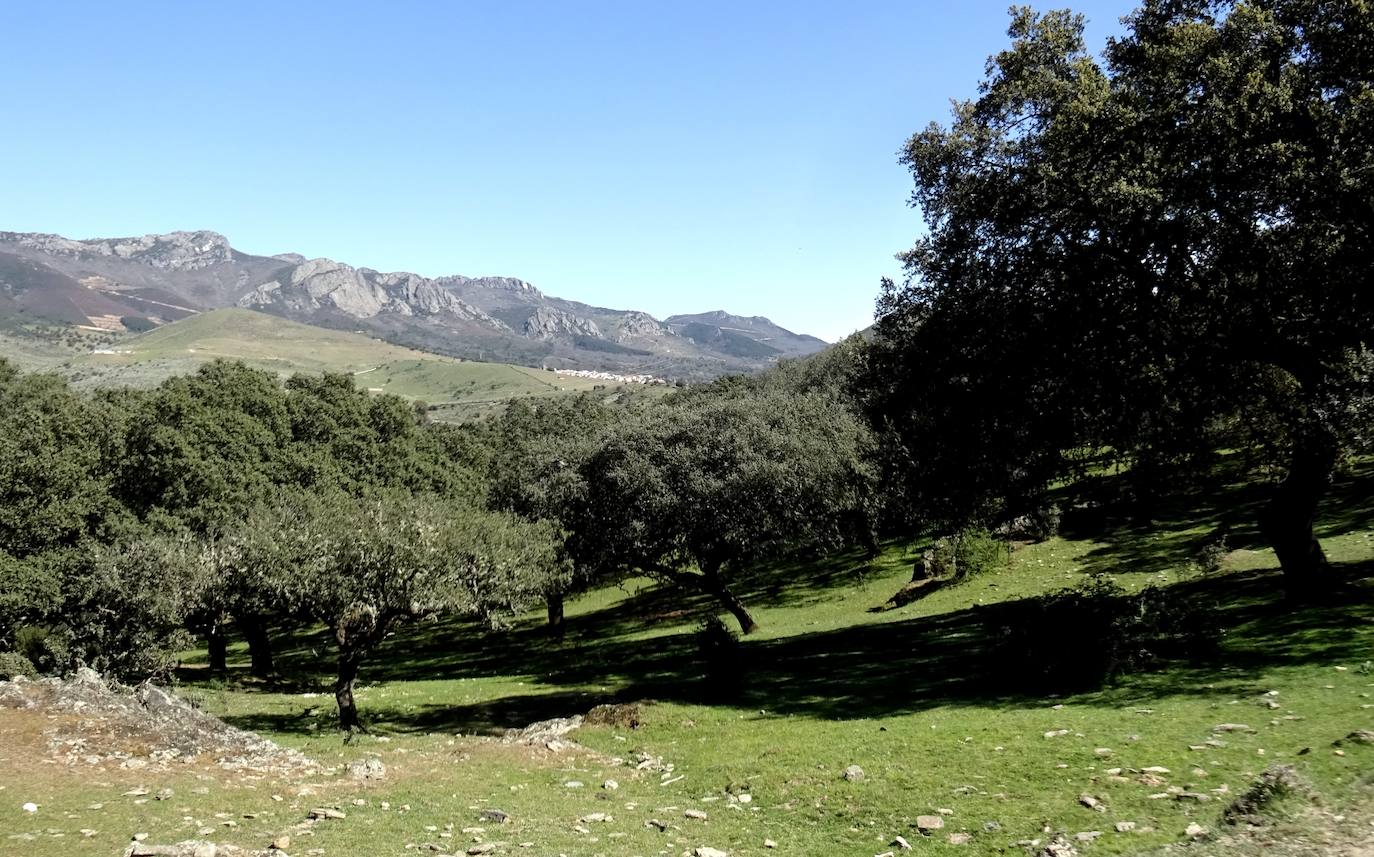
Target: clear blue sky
x=671, y=157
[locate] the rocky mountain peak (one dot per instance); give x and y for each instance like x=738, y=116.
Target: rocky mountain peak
x=548, y=323
x=503, y=284
x=361, y=293
x=173, y=251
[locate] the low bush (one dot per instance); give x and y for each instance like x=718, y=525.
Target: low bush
x=1264, y=801
x=13, y=664
x=1211, y=554
x=46, y=652
x=966, y=554
x=1081, y=637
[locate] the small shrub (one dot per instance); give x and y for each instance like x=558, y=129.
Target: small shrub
x=1264, y=799
x=1211, y=556
x=1079, y=638
x=720, y=654
x=966, y=554
x=1044, y=522
x=46, y=651
x=13, y=664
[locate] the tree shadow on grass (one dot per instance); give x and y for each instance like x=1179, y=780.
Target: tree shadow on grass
x=868, y=671
x=1175, y=529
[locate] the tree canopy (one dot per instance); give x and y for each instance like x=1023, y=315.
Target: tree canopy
x=713, y=482
x=1157, y=253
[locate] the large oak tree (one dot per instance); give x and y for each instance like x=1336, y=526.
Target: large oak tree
x=1156, y=252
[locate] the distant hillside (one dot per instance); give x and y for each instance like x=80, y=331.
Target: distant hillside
x=130, y=284
x=455, y=388
x=752, y=337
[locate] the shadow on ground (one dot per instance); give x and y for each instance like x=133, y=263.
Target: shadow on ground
x=862, y=671
x=871, y=671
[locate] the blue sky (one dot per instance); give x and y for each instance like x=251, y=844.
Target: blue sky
x=670, y=157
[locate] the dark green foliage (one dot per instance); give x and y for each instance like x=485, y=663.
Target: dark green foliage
x=137, y=324
x=364, y=566
x=1078, y=638
x=966, y=554
x=54, y=449
x=123, y=605
x=204, y=447
x=13, y=664
x=717, y=479
x=47, y=651
x=1157, y=255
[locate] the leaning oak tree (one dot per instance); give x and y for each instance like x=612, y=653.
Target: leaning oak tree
x=364, y=567
x=699, y=488
x=1161, y=253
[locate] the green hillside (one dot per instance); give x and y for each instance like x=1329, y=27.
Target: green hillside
x=457, y=389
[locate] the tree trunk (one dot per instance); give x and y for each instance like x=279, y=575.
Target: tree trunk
x=1288, y=519
x=254, y=630
x=554, y=602
x=217, y=645
x=713, y=585
x=349, y=662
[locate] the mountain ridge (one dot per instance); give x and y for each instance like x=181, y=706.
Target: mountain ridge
x=158, y=278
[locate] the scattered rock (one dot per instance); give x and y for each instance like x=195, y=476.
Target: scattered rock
x=1360, y=736
x=596, y=818
x=610, y=785
x=1231, y=727
x=694, y=813
x=1124, y=826
x=1056, y=733
x=768, y=843
x=544, y=732
x=1092, y=803
x=1087, y=835
x=495, y=816
x=854, y=773
x=901, y=843
x=143, y=727
x=323, y=812
x=367, y=769
x=960, y=838
x=1058, y=847
x=1195, y=831
x=927, y=823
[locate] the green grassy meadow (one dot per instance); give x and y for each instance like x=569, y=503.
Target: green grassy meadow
x=455, y=389
x=905, y=694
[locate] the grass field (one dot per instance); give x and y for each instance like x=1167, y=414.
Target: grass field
x=456, y=389
x=905, y=694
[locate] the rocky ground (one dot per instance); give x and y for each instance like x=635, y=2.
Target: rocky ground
x=97, y=724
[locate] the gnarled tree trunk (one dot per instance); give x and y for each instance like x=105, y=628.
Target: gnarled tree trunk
x=217, y=644
x=554, y=602
x=349, y=661
x=713, y=585
x=1287, y=521
x=254, y=629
